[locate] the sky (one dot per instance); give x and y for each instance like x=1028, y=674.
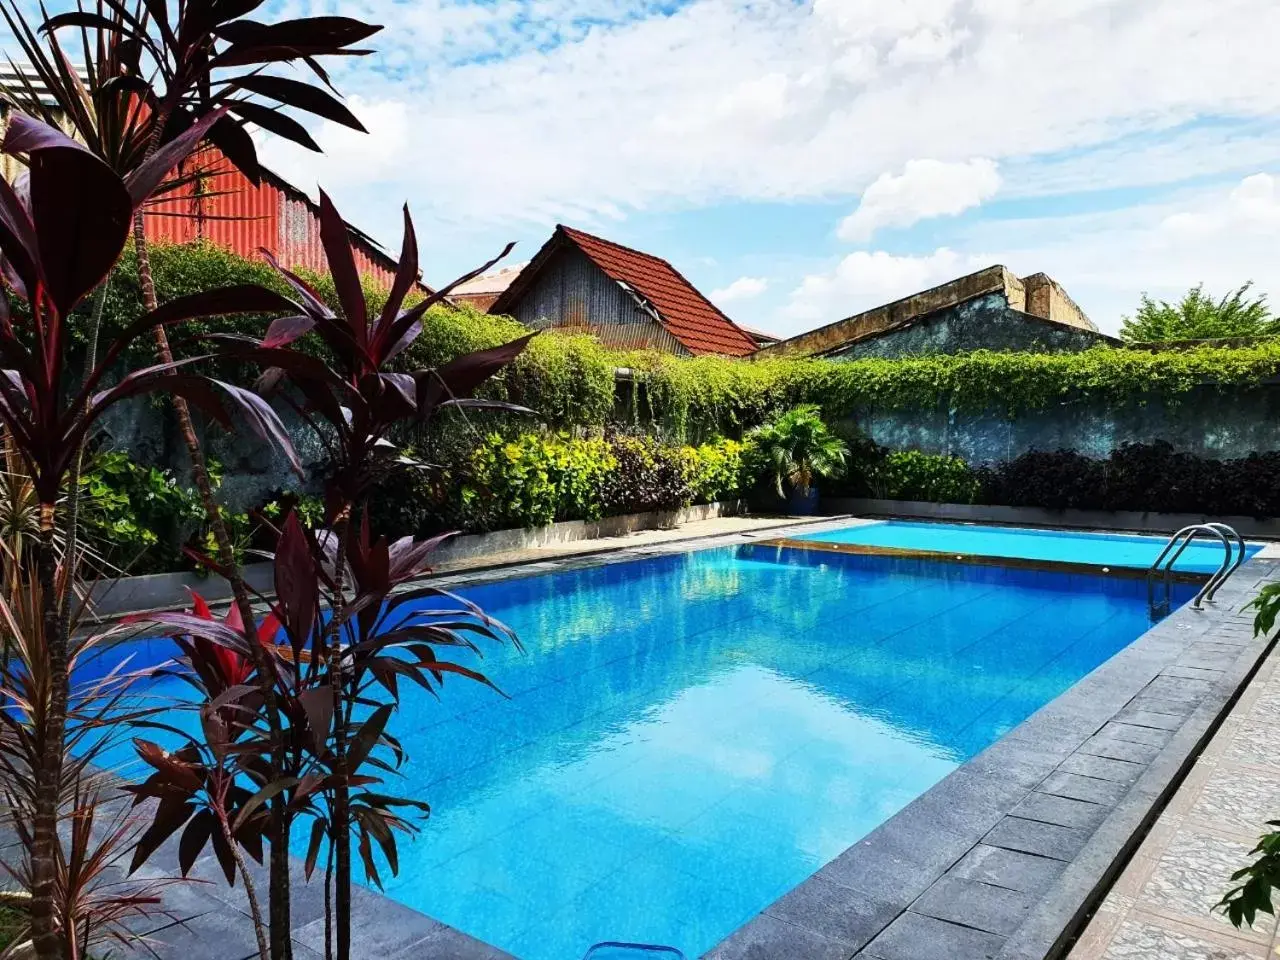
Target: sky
x=802, y=161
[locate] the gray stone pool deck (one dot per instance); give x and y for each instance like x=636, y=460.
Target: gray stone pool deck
x=1003, y=859
x=1161, y=906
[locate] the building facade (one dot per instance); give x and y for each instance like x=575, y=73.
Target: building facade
x=628, y=299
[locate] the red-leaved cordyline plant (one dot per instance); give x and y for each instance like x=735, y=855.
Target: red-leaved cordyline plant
x=361, y=398
x=354, y=401
x=386, y=632
x=149, y=72
x=202, y=783
x=61, y=230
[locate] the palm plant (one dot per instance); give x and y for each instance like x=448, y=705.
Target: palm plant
x=796, y=448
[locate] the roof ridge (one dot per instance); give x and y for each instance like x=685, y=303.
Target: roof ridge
x=613, y=243
x=572, y=231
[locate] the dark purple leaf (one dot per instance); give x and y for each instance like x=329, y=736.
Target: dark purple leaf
x=231, y=138
x=318, y=833
x=144, y=180
x=171, y=813
x=342, y=266
x=406, y=274
x=459, y=378
x=194, y=839
x=317, y=702
x=263, y=420
x=296, y=579
x=367, y=737
x=26, y=134
x=81, y=212
x=303, y=96
x=273, y=121
x=285, y=330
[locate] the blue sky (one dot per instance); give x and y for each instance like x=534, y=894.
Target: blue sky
x=804, y=160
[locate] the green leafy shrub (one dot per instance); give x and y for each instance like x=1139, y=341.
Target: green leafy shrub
x=137, y=517
x=709, y=396
x=912, y=475
x=1197, y=316
x=717, y=470
x=536, y=479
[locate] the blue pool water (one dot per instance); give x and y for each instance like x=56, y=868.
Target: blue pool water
x=1103, y=549
x=687, y=737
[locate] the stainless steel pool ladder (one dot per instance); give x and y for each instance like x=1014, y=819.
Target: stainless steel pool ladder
x=1231, y=561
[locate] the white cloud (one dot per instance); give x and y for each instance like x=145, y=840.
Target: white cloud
x=867, y=279
x=1221, y=236
x=534, y=110
x=1251, y=208
x=925, y=188
x=744, y=288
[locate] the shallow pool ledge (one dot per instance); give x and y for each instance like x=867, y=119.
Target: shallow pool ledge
x=1004, y=858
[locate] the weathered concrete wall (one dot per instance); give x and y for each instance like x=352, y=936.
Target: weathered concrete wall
x=994, y=280
x=1204, y=422
x=252, y=470
x=1046, y=298
x=982, y=323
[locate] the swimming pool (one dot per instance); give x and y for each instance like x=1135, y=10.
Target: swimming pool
x=689, y=736
x=1069, y=546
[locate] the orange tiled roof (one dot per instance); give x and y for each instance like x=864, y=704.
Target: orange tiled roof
x=689, y=316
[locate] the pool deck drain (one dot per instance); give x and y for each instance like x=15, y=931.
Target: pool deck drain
x=1001, y=860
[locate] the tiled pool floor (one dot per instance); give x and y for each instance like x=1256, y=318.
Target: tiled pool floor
x=693, y=739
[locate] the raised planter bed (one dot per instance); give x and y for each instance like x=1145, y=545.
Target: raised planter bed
x=159, y=591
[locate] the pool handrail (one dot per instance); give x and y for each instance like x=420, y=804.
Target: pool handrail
x=639, y=947
x=1181, y=540
x=1215, y=586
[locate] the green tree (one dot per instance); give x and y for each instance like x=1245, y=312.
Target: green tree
x=1197, y=316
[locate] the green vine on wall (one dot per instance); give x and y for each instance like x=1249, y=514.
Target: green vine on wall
x=571, y=380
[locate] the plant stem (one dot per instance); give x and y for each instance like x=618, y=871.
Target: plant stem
x=77, y=467
x=255, y=910
x=281, y=944
x=339, y=821
x=50, y=732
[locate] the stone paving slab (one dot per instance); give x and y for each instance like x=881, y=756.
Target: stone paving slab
x=1161, y=905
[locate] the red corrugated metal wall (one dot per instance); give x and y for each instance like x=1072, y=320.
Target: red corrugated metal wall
x=228, y=210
